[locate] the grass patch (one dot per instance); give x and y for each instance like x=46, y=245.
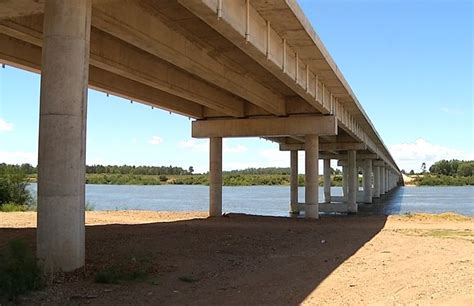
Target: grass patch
x=448, y=216
x=12, y=207
x=440, y=233
x=131, y=271
x=19, y=270
x=188, y=279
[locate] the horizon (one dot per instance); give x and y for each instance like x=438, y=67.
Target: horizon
x=396, y=63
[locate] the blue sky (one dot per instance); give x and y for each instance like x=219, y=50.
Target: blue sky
x=410, y=64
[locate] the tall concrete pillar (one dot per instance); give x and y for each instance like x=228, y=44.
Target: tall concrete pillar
x=387, y=177
x=376, y=182
x=294, y=183
x=345, y=185
x=215, y=177
x=352, y=182
x=382, y=180
x=62, y=134
x=327, y=181
x=312, y=177
x=368, y=181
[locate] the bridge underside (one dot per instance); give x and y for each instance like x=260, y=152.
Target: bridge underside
x=243, y=68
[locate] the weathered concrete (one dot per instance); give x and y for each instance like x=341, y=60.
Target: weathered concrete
x=215, y=177
x=367, y=181
x=327, y=180
x=311, y=177
x=352, y=182
x=376, y=182
x=261, y=127
x=62, y=135
x=294, y=183
x=345, y=183
x=382, y=181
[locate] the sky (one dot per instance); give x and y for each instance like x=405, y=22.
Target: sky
x=410, y=63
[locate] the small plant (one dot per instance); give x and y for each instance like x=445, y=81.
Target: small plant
x=110, y=275
x=188, y=279
x=11, y=207
x=134, y=270
x=19, y=270
x=89, y=206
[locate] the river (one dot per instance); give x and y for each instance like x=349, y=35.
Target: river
x=270, y=200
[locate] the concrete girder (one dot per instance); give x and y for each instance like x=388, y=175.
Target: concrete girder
x=24, y=55
x=336, y=146
x=130, y=62
x=151, y=34
x=264, y=127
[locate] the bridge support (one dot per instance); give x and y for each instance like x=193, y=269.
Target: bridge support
x=327, y=181
x=294, y=183
x=367, y=171
x=312, y=177
x=352, y=182
x=382, y=181
x=215, y=177
x=62, y=134
x=345, y=183
x=376, y=182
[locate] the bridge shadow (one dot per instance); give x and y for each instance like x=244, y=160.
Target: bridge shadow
x=238, y=259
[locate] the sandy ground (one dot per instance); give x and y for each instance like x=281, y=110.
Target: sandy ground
x=246, y=260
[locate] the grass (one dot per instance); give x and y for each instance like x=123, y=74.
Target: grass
x=465, y=234
x=19, y=270
x=12, y=207
x=188, y=279
x=447, y=216
x=133, y=270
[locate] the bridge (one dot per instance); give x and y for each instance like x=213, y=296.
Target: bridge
x=239, y=68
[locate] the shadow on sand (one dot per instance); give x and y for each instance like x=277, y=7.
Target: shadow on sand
x=237, y=259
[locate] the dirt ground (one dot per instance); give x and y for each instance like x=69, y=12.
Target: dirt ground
x=248, y=260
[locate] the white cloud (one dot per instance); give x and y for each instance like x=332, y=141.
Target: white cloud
x=452, y=111
x=18, y=157
x=202, y=145
x=195, y=145
x=5, y=126
x=411, y=155
x=155, y=140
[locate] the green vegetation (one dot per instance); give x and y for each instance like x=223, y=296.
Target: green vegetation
x=132, y=270
x=453, y=167
x=19, y=271
x=13, y=193
x=443, y=180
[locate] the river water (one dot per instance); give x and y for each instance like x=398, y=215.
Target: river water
x=270, y=200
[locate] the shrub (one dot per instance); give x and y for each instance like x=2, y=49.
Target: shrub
x=11, y=207
x=19, y=270
x=13, y=182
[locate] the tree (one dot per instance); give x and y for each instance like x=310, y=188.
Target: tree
x=423, y=168
x=191, y=169
x=412, y=172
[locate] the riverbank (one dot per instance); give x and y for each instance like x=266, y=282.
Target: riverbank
x=251, y=260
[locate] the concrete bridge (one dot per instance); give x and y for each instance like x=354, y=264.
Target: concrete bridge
x=240, y=68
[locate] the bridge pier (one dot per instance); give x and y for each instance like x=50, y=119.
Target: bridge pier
x=312, y=177
x=376, y=193
x=215, y=176
x=327, y=180
x=62, y=135
x=352, y=182
x=294, y=210
x=345, y=183
x=367, y=180
x=382, y=181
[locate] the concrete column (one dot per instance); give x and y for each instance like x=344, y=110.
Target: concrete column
x=312, y=177
x=327, y=181
x=294, y=183
x=376, y=182
x=382, y=180
x=387, y=177
x=215, y=177
x=62, y=134
x=368, y=181
x=352, y=182
x=345, y=185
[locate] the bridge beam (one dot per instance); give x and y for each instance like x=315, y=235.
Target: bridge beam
x=62, y=135
x=265, y=127
x=336, y=146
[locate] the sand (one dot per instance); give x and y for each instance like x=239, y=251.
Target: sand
x=248, y=260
